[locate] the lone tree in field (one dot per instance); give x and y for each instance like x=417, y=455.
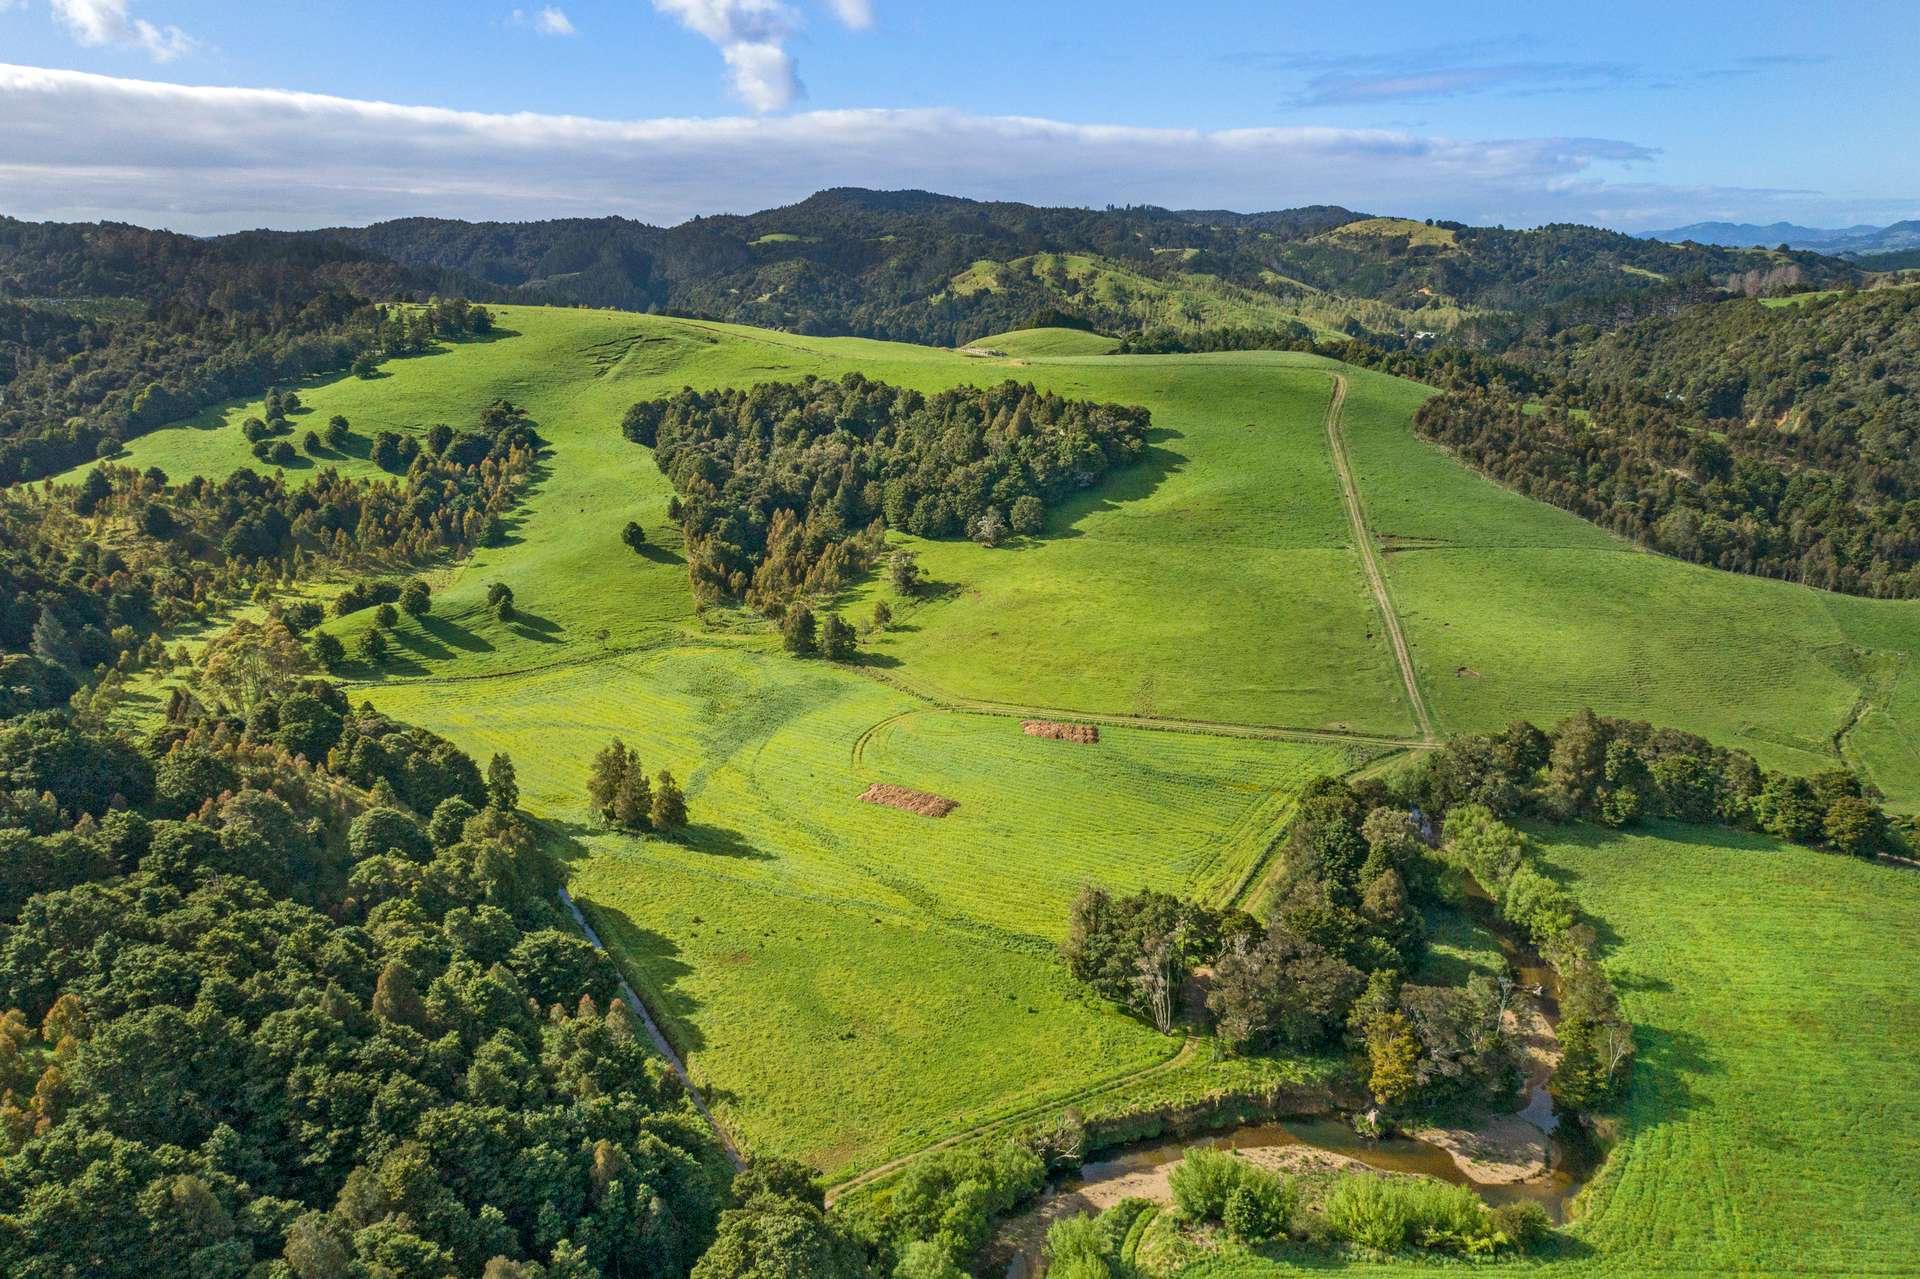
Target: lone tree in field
x=503, y=787
x=337, y=432
x=385, y=615
x=798, y=632
x=669, y=805
x=634, y=536
x=415, y=598
x=500, y=600
x=373, y=646
x=882, y=615
x=903, y=570
x=836, y=639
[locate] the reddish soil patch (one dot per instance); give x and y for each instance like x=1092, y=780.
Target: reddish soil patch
x=1085, y=734
x=908, y=800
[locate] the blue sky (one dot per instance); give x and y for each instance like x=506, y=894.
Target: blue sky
x=1633, y=114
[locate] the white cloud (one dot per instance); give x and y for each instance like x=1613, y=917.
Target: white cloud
x=752, y=35
x=107, y=22
x=203, y=159
x=857, y=14
x=548, y=21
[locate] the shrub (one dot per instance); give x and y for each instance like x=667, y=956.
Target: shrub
x=1202, y=1182
x=1389, y=1213
x=1368, y=1211
x=1524, y=1223
x=385, y=615
x=1208, y=1183
x=1029, y=517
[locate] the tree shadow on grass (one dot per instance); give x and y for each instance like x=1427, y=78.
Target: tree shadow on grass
x=534, y=627
x=1129, y=484
x=871, y=660
x=719, y=841
x=651, y=963
x=425, y=645
x=660, y=554
x=454, y=635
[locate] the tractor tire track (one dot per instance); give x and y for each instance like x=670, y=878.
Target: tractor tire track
x=1363, y=542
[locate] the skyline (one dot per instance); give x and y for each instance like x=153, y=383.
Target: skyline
x=206, y=116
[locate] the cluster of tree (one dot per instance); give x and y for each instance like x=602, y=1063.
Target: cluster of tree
x=784, y=489
x=1768, y=440
x=90, y=574
x=188, y=323
x=882, y=264
x=1596, y=1039
x=1224, y=337
x=621, y=795
x=1334, y=963
x=286, y=998
x=1616, y=772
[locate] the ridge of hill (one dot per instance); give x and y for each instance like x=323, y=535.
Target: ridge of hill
x=882, y=264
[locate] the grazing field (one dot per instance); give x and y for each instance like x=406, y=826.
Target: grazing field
x=1774, y=1122
x=852, y=980
x=849, y=978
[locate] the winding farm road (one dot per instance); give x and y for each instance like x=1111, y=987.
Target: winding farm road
x=1363, y=542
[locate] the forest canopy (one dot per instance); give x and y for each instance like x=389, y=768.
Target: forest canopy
x=785, y=487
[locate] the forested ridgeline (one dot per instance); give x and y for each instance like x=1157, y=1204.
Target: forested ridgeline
x=91, y=575
x=107, y=330
x=885, y=264
x=1769, y=440
x=785, y=487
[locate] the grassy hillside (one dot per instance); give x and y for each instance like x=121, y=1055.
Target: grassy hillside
x=1776, y=1099
x=853, y=981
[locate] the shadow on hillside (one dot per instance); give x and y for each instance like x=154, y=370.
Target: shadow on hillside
x=874, y=660
x=719, y=841
x=1130, y=484
x=454, y=635
x=652, y=963
x=660, y=555
x=1666, y=1063
x=532, y=626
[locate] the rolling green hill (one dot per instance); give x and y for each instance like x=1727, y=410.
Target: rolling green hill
x=852, y=982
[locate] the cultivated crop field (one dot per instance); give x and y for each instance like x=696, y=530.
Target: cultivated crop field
x=852, y=982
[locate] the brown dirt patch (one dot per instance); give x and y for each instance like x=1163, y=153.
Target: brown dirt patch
x=908, y=800
x=1085, y=734
x=1503, y=1151
x=1466, y=672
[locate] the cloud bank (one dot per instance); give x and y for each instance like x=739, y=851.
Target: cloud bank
x=203, y=159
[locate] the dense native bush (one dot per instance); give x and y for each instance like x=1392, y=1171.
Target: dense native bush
x=186, y=323
x=785, y=487
x=295, y=1026
x=1618, y=772
x=940, y=1213
x=1767, y=440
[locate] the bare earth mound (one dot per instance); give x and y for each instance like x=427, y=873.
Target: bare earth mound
x=1085, y=734
x=912, y=801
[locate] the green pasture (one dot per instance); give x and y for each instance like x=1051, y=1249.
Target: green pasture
x=1774, y=1123
x=852, y=981
x=790, y=911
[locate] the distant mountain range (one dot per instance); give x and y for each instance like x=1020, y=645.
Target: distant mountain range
x=1851, y=241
